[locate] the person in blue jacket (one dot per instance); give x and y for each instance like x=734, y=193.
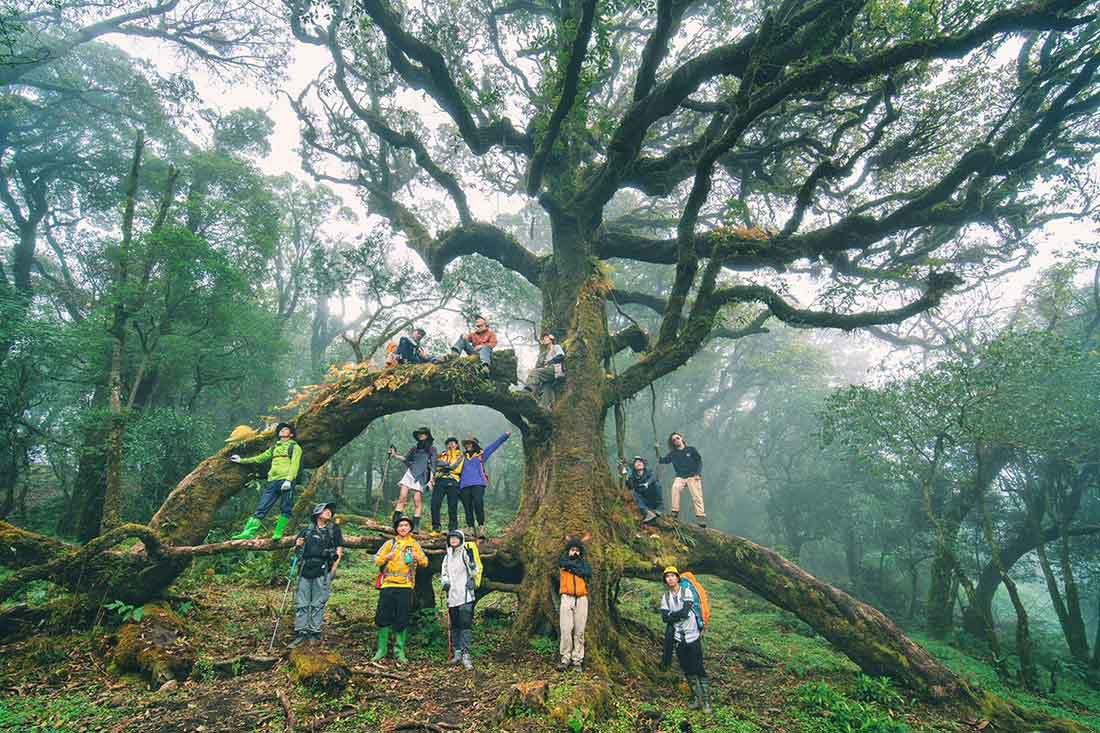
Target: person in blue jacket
x=474, y=479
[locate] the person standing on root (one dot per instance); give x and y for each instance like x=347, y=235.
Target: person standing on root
x=678, y=612
x=448, y=478
x=420, y=463
x=688, y=465
x=548, y=367
x=481, y=341
x=641, y=480
x=474, y=479
x=573, y=577
x=460, y=576
x=397, y=561
x=321, y=550
x=286, y=461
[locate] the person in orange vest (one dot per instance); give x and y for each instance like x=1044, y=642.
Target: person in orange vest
x=574, y=576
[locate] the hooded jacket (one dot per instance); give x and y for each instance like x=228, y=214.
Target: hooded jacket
x=645, y=484
x=448, y=464
x=400, y=572
x=285, y=457
x=574, y=571
x=460, y=571
x=421, y=460
x=473, y=467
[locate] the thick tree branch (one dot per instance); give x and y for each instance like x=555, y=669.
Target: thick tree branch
x=669, y=14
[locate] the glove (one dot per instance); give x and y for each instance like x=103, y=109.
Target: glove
x=286, y=486
x=235, y=458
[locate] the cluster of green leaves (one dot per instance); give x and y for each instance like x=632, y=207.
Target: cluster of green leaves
x=826, y=710
x=124, y=611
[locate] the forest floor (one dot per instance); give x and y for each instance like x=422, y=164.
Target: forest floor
x=768, y=672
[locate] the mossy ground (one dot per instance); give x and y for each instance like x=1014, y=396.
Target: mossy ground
x=769, y=672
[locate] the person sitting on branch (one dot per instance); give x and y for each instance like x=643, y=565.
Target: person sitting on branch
x=409, y=350
x=688, y=465
x=481, y=341
x=420, y=464
x=475, y=478
x=548, y=367
x=321, y=550
x=286, y=461
x=397, y=561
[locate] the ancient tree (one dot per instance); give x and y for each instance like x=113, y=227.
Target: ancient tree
x=884, y=155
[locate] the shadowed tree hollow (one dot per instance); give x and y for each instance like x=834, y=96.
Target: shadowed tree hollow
x=869, y=156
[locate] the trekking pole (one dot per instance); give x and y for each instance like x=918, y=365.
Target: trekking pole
x=282, y=608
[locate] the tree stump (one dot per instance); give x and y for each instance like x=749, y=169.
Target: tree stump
x=589, y=701
x=323, y=671
x=523, y=697
x=154, y=647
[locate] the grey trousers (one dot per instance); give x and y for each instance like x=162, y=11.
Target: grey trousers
x=309, y=603
x=463, y=346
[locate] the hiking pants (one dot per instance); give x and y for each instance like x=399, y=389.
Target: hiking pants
x=272, y=493
x=694, y=486
x=394, y=608
x=473, y=500
x=691, y=658
x=463, y=345
x=642, y=503
x=309, y=603
x=445, y=487
x=462, y=624
x=572, y=617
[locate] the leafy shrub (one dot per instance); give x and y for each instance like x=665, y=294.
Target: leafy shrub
x=825, y=710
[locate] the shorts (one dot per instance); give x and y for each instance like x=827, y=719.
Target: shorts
x=409, y=480
x=394, y=608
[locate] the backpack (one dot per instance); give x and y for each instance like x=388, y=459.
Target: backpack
x=699, y=597
x=391, y=354
x=473, y=561
x=317, y=552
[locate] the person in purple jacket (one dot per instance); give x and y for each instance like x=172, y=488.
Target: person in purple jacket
x=474, y=479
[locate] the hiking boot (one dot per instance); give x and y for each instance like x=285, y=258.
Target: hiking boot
x=467, y=663
x=383, y=644
x=457, y=656
x=562, y=665
x=481, y=531
x=300, y=638
x=650, y=515
x=399, y=645
x=280, y=527
x=702, y=523
x=674, y=514
x=416, y=524
x=251, y=527
x=705, y=684
x=483, y=368
x=697, y=688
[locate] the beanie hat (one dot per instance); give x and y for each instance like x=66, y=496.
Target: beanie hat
x=574, y=543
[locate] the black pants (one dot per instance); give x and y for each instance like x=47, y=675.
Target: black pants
x=691, y=658
x=445, y=487
x=473, y=501
x=394, y=608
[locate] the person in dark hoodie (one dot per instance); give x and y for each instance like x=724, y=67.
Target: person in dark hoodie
x=420, y=462
x=321, y=552
x=647, y=489
x=574, y=575
x=688, y=465
x=409, y=350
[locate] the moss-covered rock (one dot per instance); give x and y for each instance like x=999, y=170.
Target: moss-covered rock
x=154, y=648
x=586, y=700
x=323, y=671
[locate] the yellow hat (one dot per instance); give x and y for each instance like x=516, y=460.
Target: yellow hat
x=671, y=569
x=241, y=432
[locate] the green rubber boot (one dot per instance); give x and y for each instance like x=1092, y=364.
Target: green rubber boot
x=251, y=527
x=280, y=527
x=399, y=646
x=383, y=644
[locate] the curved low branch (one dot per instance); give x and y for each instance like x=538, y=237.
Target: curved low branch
x=485, y=240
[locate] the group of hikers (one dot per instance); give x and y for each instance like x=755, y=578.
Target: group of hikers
x=459, y=473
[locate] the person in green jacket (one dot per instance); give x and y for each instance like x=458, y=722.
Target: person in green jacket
x=286, y=460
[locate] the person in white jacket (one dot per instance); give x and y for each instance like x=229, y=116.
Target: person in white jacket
x=460, y=575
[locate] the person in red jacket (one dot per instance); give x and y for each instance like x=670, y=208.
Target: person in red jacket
x=480, y=341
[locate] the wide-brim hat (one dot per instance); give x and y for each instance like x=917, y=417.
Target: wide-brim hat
x=471, y=440
x=420, y=430
x=401, y=519
x=321, y=507
x=280, y=426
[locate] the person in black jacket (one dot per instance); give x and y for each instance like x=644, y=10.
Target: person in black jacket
x=321, y=551
x=409, y=350
x=688, y=465
x=574, y=576
x=647, y=489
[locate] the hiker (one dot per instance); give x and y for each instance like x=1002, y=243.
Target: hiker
x=688, y=465
x=460, y=575
x=548, y=367
x=480, y=341
x=474, y=479
x=680, y=616
x=574, y=575
x=409, y=350
x=448, y=476
x=641, y=480
x=397, y=561
x=321, y=552
x=420, y=467
x=286, y=461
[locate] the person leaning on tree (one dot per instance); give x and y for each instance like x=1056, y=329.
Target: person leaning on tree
x=688, y=466
x=286, y=461
x=548, y=367
x=397, y=561
x=321, y=550
x=573, y=577
x=679, y=614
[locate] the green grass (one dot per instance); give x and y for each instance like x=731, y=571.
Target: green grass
x=70, y=712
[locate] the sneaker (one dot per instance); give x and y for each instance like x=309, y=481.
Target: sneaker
x=674, y=514
x=576, y=666
x=467, y=663
x=457, y=657
x=649, y=516
x=300, y=638
x=702, y=523
x=562, y=665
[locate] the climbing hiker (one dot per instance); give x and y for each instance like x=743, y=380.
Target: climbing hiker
x=321, y=550
x=481, y=341
x=448, y=475
x=641, y=480
x=548, y=368
x=286, y=461
x=420, y=463
x=573, y=577
x=688, y=465
x=678, y=612
x=397, y=561
x=460, y=576
x=474, y=479
x=409, y=350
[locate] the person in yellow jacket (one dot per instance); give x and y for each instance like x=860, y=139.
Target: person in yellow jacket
x=448, y=472
x=397, y=561
x=286, y=463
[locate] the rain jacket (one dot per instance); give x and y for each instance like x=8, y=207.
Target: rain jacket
x=448, y=464
x=477, y=340
x=286, y=460
x=473, y=467
x=678, y=610
x=645, y=484
x=574, y=572
x=460, y=573
x=400, y=572
x=421, y=461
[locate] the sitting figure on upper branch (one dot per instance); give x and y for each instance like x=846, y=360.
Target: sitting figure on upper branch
x=641, y=480
x=409, y=350
x=286, y=461
x=481, y=341
x=548, y=369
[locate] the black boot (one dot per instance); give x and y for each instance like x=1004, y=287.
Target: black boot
x=396, y=516
x=416, y=524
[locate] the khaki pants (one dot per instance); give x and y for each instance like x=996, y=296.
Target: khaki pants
x=695, y=487
x=573, y=617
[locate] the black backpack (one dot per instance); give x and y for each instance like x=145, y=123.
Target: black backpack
x=318, y=551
